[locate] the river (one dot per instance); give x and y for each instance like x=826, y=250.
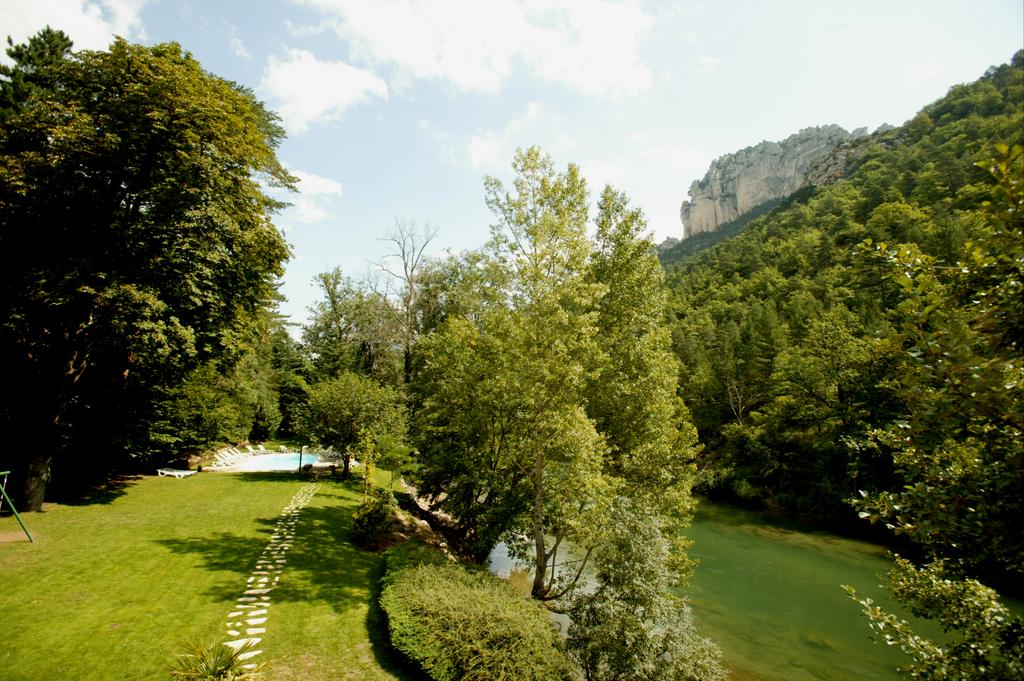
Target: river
x=772, y=598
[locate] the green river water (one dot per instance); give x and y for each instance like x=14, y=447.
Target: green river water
x=771, y=597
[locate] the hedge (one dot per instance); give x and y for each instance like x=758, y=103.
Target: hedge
x=459, y=624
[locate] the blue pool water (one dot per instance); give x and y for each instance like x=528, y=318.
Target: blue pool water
x=274, y=462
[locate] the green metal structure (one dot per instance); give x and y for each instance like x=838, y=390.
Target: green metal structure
x=3, y=490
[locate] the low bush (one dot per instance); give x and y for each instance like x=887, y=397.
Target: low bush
x=372, y=517
x=410, y=554
x=469, y=625
x=215, y=661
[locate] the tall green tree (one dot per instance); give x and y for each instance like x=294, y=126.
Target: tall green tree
x=230, y=399
x=134, y=232
x=352, y=412
x=632, y=397
x=505, y=440
x=353, y=328
x=293, y=370
x=33, y=63
x=557, y=394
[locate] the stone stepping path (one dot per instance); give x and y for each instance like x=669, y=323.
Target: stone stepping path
x=247, y=620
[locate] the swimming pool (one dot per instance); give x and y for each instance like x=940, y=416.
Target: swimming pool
x=274, y=462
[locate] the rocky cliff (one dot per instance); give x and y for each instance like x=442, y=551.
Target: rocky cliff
x=739, y=182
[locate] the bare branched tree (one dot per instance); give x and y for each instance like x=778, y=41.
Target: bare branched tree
x=404, y=264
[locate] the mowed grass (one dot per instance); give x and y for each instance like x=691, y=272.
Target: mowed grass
x=114, y=588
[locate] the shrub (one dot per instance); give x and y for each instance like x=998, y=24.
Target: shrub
x=461, y=624
x=410, y=554
x=215, y=661
x=372, y=517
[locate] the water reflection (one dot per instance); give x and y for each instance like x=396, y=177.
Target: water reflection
x=771, y=597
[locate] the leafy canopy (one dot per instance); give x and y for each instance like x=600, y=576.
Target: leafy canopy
x=134, y=234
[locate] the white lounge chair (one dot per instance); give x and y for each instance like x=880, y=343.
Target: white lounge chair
x=263, y=450
x=227, y=457
x=174, y=472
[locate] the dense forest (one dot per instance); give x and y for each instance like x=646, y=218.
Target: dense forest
x=856, y=355
x=793, y=335
x=853, y=356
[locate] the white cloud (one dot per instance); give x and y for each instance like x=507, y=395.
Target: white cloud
x=654, y=178
x=599, y=173
x=316, y=185
x=92, y=25
x=491, y=150
x=707, y=62
x=432, y=131
x=311, y=92
x=591, y=47
x=684, y=163
x=315, y=197
x=238, y=48
x=307, y=212
x=486, y=150
x=314, y=201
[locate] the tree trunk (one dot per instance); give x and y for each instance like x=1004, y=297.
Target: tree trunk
x=37, y=474
x=346, y=459
x=540, y=556
x=39, y=444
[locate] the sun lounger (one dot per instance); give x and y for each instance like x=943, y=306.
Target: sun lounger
x=263, y=450
x=251, y=450
x=227, y=457
x=174, y=472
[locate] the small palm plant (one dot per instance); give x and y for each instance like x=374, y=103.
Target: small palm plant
x=215, y=661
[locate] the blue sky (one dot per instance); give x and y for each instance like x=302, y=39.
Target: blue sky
x=397, y=109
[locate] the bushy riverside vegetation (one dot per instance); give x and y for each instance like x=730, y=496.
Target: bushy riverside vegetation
x=458, y=623
x=853, y=356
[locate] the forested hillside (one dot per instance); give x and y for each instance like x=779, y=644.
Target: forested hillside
x=858, y=355
x=792, y=334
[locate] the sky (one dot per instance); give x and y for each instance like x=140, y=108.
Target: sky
x=397, y=109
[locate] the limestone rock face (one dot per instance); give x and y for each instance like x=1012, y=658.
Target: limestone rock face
x=736, y=183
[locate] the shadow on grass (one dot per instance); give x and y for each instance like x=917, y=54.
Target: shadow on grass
x=323, y=565
x=103, y=493
x=354, y=483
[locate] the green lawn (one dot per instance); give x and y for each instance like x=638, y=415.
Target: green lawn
x=113, y=588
